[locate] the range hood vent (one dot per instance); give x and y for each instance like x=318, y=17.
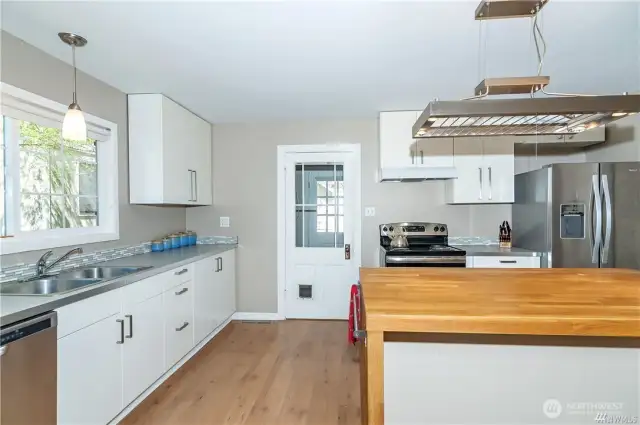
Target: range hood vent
x=560, y=115
x=417, y=174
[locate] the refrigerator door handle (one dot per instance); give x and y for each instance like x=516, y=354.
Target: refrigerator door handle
x=596, y=201
x=609, y=225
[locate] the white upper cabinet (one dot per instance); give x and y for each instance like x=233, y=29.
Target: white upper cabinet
x=403, y=154
x=485, y=171
x=169, y=153
x=397, y=147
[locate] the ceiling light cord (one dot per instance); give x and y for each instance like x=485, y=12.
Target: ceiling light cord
x=75, y=77
x=537, y=32
x=480, y=96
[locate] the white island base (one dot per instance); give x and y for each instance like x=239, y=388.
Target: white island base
x=475, y=382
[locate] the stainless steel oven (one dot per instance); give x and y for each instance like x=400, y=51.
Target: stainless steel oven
x=418, y=244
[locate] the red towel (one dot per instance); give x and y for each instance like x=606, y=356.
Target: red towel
x=353, y=298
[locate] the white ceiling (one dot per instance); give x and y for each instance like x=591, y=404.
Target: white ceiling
x=248, y=61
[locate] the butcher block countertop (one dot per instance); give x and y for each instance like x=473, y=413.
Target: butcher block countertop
x=566, y=302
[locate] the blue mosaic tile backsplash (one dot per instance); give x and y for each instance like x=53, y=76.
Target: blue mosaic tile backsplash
x=18, y=271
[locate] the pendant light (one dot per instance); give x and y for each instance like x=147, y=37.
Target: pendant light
x=74, y=126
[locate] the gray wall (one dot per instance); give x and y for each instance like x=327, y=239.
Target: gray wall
x=245, y=189
x=623, y=142
x=29, y=68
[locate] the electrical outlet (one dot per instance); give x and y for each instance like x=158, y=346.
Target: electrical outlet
x=225, y=222
x=370, y=212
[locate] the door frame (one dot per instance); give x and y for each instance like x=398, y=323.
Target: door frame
x=356, y=255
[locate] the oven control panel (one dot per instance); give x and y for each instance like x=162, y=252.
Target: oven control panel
x=414, y=229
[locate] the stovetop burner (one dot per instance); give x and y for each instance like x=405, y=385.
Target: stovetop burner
x=435, y=249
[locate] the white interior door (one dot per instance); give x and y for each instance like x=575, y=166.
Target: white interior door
x=322, y=214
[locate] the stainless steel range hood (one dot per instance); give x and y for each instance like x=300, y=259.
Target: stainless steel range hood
x=417, y=174
x=524, y=116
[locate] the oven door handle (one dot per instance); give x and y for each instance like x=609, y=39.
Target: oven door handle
x=417, y=259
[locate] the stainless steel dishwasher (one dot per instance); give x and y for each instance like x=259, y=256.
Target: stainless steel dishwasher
x=28, y=371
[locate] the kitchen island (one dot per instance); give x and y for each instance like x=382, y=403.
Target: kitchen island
x=499, y=346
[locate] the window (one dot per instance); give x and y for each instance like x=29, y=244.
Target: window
x=55, y=192
x=319, y=197
x=330, y=201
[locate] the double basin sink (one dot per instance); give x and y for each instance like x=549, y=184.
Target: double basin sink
x=66, y=281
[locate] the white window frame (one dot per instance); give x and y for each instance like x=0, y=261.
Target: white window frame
x=108, y=204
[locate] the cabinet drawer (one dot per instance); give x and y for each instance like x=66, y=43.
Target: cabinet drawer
x=506, y=262
x=178, y=307
x=177, y=276
x=81, y=314
x=142, y=290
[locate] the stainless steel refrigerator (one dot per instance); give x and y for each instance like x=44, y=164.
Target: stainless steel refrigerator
x=580, y=215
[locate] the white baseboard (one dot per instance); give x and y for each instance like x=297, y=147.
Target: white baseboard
x=257, y=317
x=170, y=372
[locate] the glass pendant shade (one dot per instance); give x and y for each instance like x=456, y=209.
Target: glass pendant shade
x=74, y=127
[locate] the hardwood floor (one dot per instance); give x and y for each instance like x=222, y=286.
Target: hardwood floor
x=284, y=373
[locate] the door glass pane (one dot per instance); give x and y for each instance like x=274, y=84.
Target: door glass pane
x=317, y=196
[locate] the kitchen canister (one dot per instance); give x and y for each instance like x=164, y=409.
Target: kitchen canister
x=184, y=239
x=157, y=246
x=175, y=240
x=166, y=242
x=193, y=237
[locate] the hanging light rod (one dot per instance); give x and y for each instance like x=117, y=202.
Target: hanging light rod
x=504, y=9
x=74, y=126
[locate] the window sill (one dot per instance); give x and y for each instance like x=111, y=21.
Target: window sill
x=24, y=244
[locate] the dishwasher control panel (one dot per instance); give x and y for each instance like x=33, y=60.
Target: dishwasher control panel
x=9, y=334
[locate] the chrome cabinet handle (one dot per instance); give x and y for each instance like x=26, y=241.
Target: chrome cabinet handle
x=183, y=271
x=480, y=170
x=412, y=157
x=181, y=328
x=596, y=201
x=609, y=225
x=130, y=317
x=191, y=185
x=121, y=331
x=422, y=157
x=508, y=261
x=195, y=190
x=221, y=264
x=182, y=291
x=490, y=185
x=218, y=266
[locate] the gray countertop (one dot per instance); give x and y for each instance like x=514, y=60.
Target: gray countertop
x=496, y=251
x=14, y=308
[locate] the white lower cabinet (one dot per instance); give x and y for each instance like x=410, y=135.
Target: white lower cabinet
x=215, y=292
x=90, y=374
x=207, y=314
x=228, y=287
x=142, y=352
x=178, y=323
x=114, y=346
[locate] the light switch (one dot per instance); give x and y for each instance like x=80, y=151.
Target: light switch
x=225, y=222
x=370, y=212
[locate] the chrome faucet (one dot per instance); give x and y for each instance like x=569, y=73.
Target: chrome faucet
x=42, y=266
